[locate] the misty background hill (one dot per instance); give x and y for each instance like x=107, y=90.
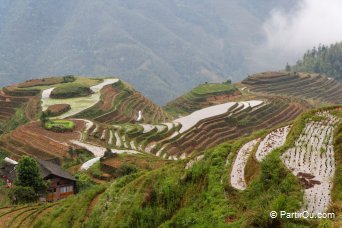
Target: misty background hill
x=162, y=47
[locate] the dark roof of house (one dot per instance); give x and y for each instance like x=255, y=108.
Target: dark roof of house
x=46, y=168
x=49, y=168
x=9, y=171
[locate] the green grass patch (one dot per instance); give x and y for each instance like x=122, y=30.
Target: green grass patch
x=59, y=125
x=211, y=88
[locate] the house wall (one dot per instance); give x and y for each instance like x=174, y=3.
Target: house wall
x=60, y=188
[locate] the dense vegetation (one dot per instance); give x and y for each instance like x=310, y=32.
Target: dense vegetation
x=28, y=184
x=70, y=90
x=324, y=59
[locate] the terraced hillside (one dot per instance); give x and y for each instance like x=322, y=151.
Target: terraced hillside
x=202, y=96
x=195, y=191
x=33, y=140
x=239, y=121
x=120, y=103
x=312, y=160
x=198, y=131
x=309, y=86
x=20, y=102
x=14, y=101
x=211, y=167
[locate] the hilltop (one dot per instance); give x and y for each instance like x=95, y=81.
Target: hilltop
x=202, y=96
x=210, y=158
x=305, y=85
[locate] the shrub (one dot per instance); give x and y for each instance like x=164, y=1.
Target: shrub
x=28, y=175
x=69, y=78
x=22, y=194
x=108, y=154
x=127, y=169
x=70, y=91
x=83, y=181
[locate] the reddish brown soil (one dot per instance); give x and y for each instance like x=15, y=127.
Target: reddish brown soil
x=220, y=99
x=58, y=109
x=306, y=180
x=32, y=139
x=108, y=94
x=6, y=218
x=43, y=213
x=116, y=162
x=40, y=82
x=93, y=203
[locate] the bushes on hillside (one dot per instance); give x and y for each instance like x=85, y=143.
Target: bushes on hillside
x=69, y=78
x=21, y=194
x=29, y=184
x=70, y=91
x=28, y=175
x=83, y=181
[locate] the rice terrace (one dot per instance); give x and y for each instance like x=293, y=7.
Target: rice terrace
x=210, y=157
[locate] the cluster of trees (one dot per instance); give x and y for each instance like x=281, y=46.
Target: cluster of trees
x=324, y=59
x=29, y=184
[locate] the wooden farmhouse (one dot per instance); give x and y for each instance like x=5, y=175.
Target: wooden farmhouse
x=61, y=183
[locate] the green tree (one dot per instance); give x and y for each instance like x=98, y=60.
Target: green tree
x=28, y=175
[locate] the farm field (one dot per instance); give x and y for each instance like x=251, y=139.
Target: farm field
x=272, y=141
x=77, y=104
x=312, y=160
x=202, y=96
x=309, y=86
x=211, y=165
x=120, y=103
x=237, y=176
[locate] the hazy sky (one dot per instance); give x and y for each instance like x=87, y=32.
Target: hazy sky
x=309, y=23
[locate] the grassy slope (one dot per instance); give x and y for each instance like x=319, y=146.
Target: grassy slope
x=201, y=195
